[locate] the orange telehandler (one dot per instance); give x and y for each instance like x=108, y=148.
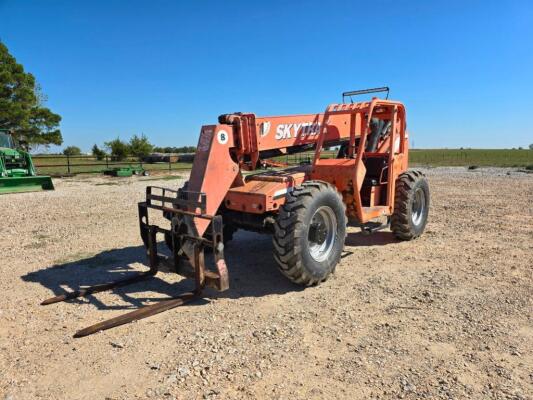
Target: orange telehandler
x=306, y=208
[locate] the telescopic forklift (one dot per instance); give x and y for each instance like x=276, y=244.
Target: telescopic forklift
x=306, y=208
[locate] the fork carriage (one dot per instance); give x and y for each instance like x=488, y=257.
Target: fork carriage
x=181, y=207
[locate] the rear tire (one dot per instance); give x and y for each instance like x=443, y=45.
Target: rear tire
x=309, y=233
x=411, y=205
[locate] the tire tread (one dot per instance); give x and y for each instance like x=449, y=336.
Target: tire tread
x=288, y=228
x=400, y=223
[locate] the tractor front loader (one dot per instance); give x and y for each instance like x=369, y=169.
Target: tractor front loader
x=306, y=208
x=17, y=173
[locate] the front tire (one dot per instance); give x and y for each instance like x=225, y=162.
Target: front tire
x=411, y=205
x=309, y=233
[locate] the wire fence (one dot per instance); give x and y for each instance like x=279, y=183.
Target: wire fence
x=58, y=165
x=68, y=165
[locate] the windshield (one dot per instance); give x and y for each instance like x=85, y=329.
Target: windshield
x=6, y=141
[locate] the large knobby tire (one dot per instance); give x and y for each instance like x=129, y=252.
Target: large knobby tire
x=411, y=205
x=309, y=233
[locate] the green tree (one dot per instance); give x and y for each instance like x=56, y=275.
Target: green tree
x=140, y=146
x=119, y=149
x=98, y=152
x=72, y=151
x=184, y=149
x=531, y=146
x=21, y=105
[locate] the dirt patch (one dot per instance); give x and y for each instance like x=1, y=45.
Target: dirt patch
x=446, y=316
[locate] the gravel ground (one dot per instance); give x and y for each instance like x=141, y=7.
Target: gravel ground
x=448, y=316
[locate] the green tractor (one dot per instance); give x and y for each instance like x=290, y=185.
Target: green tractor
x=17, y=173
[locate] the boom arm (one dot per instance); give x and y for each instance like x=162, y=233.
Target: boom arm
x=339, y=123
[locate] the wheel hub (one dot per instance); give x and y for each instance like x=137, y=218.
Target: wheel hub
x=322, y=231
x=418, y=207
x=317, y=233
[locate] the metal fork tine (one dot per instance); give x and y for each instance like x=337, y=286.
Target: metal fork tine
x=143, y=312
x=98, y=288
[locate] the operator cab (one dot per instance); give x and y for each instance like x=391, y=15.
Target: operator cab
x=6, y=141
x=373, y=191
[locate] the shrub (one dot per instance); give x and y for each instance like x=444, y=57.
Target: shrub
x=119, y=149
x=72, y=151
x=140, y=146
x=98, y=153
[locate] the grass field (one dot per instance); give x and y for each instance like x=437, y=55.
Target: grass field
x=447, y=157
x=58, y=165
x=471, y=157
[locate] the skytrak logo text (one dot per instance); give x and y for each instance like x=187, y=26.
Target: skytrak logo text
x=287, y=131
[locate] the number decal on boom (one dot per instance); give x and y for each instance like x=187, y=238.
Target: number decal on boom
x=222, y=137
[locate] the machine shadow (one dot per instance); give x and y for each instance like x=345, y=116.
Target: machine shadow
x=252, y=273
x=252, y=268
x=358, y=239
x=107, y=266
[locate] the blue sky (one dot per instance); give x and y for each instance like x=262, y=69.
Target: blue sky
x=464, y=69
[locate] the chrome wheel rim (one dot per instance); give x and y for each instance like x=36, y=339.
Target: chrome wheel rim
x=418, y=207
x=321, y=235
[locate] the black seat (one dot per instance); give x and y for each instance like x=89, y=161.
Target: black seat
x=379, y=129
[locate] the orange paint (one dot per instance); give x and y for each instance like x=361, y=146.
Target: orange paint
x=366, y=179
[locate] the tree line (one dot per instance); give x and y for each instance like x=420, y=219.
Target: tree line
x=137, y=146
